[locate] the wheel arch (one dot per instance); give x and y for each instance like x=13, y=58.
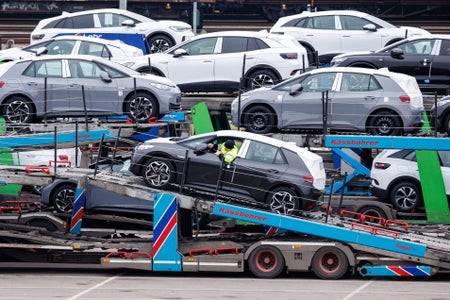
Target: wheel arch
x=59, y=184
x=159, y=32
x=259, y=68
x=380, y=109
x=403, y=179
x=18, y=95
x=265, y=104
x=131, y=94
x=442, y=118
x=362, y=64
x=157, y=71
x=161, y=155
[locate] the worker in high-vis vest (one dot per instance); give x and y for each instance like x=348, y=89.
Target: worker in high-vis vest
x=226, y=151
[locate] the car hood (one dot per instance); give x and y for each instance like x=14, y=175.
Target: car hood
x=15, y=53
x=411, y=31
x=156, y=79
x=349, y=54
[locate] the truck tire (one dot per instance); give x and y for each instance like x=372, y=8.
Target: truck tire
x=329, y=263
x=266, y=262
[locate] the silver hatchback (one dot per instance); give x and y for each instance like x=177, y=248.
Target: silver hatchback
x=68, y=86
x=365, y=100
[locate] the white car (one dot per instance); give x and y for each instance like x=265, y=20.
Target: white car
x=110, y=23
x=108, y=49
x=213, y=62
x=340, y=31
x=395, y=177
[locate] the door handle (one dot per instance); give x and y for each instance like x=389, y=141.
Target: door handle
x=369, y=98
x=32, y=83
x=273, y=171
x=424, y=62
x=74, y=85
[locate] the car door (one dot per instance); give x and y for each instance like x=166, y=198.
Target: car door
x=440, y=69
x=416, y=60
x=196, y=68
x=354, y=36
x=45, y=80
x=305, y=108
x=357, y=94
x=230, y=60
x=322, y=34
x=87, y=88
x=255, y=169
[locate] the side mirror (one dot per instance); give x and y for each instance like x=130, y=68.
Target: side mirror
x=200, y=148
x=179, y=52
x=397, y=53
x=370, y=27
x=105, y=76
x=41, y=50
x=128, y=23
x=295, y=89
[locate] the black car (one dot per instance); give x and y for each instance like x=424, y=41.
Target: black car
x=427, y=58
x=266, y=171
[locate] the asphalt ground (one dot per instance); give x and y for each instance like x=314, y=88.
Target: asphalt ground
x=77, y=283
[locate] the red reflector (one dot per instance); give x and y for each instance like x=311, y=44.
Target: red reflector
x=289, y=55
x=405, y=98
x=308, y=178
x=2, y=83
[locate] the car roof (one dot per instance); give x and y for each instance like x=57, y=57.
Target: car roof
x=240, y=33
x=333, y=12
x=254, y=136
x=89, y=38
x=369, y=71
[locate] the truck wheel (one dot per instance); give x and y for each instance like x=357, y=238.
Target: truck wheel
x=158, y=173
x=63, y=198
x=266, y=262
x=329, y=263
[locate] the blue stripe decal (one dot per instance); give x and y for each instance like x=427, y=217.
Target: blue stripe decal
x=320, y=229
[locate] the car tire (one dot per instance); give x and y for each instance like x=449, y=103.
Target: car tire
x=446, y=124
x=63, y=197
x=19, y=109
x=266, y=262
x=384, y=123
x=160, y=43
x=261, y=78
x=141, y=107
x=259, y=119
x=283, y=200
x=329, y=263
x=373, y=211
x=158, y=173
x=406, y=196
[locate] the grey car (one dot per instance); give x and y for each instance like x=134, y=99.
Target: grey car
x=365, y=100
x=68, y=86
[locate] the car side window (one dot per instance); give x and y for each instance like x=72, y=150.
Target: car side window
x=201, y=47
x=83, y=21
x=83, y=69
x=234, y=44
x=48, y=68
x=112, y=20
x=322, y=22
x=353, y=82
x=60, y=47
x=420, y=47
x=354, y=23
x=318, y=82
x=445, y=48
x=265, y=153
x=88, y=48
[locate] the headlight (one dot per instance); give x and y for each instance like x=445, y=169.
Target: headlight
x=337, y=61
x=179, y=28
x=143, y=146
x=128, y=64
x=160, y=86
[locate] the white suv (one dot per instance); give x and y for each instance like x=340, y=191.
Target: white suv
x=110, y=23
x=341, y=31
x=214, y=62
x=395, y=177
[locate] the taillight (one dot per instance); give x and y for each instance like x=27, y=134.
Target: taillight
x=308, y=178
x=405, y=98
x=289, y=55
x=2, y=83
x=381, y=166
